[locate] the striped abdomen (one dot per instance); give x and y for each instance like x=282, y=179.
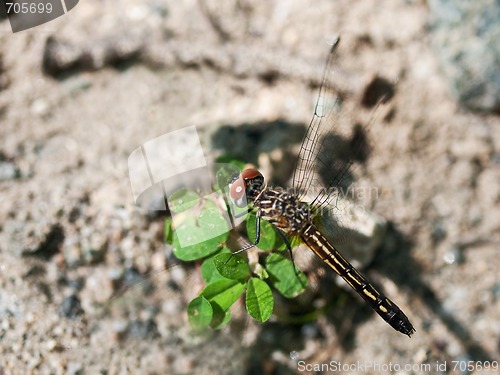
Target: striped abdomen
x=387, y=309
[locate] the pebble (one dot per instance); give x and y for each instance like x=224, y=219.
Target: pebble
x=8, y=171
x=119, y=330
x=53, y=346
x=71, y=307
x=142, y=329
x=454, y=256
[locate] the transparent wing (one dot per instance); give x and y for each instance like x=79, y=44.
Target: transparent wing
x=304, y=177
x=331, y=145
x=333, y=148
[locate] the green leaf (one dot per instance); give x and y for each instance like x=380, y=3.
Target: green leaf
x=267, y=233
x=225, y=169
x=223, y=292
x=208, y=271
x=168, y=231
x=232, y=266
x=182, y=200
x=194, y=235
x=220, y=318
x=197, y=251
x=259, y=300
x=284, y=276
x=200, y=313
x=280, y=245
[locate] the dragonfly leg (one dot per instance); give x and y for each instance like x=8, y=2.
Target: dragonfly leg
x=257, y=236
x=289, y=248
x=287, y=243
x=241, y=214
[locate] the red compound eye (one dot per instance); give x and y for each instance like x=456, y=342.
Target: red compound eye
x=250, y=174
x=237, y=189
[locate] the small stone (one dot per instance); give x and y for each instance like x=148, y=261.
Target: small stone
x=158, y=261
x=143, y=328
x=59, y=57
x=46, y=242
x=115, y=276
x=93, y=255
x=53, y=346
x=40, y=107
x=71, y=307
x=454, y=256
x=119, y=330
x=124, y=50
x=8, y=171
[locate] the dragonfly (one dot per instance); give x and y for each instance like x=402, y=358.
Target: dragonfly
x=293, y=217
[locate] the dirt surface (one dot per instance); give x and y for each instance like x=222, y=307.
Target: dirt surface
x=79, y=94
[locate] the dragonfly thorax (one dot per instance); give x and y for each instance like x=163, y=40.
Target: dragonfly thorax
x=277, y=206
x=286, y=211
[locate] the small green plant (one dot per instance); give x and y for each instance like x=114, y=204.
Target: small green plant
x=229, y=276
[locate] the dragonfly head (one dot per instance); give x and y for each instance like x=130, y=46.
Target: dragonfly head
x=246, y=186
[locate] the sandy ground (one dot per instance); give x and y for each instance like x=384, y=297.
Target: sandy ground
x=70, y=235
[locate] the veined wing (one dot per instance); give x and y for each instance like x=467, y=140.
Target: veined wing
x=329, y=148
x=304, y=177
